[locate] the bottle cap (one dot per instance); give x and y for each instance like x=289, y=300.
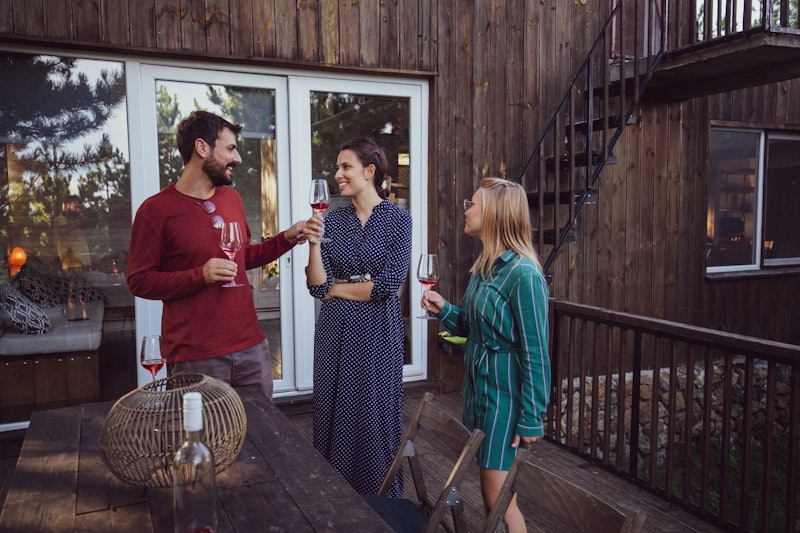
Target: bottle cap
x=192, y=400
x=193, y=411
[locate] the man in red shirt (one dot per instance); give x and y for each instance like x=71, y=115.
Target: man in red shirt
x=174, y=256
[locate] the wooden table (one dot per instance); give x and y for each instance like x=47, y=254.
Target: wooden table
x=279, y=482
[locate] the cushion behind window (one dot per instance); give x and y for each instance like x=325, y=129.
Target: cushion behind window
x=25, y=316
x=42, y=289
x=81, y=289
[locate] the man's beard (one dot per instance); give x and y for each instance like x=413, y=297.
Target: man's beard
x=217, y=172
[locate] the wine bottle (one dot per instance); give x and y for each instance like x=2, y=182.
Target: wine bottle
x=195, y=495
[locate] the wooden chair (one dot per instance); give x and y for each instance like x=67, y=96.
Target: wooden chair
x=426, y=514
x=564, y=500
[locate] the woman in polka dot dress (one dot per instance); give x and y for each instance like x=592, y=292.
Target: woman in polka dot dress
x=358, y=340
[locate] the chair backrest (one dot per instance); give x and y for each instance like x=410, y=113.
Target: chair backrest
x=453, y=439
x=564, y=500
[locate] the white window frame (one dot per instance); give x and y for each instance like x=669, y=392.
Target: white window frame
x=759, y=206
x=293, y=89
x=788, y=261
x=146, y=179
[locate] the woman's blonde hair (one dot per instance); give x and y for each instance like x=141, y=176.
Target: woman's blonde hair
x=506, y=224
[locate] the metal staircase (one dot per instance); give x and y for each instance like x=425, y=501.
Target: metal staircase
x=562, y=173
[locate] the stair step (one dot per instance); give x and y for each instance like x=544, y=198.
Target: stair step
x=550, y=236
x=597, y=124
x=581, y=161
x=564, y=197
x=631, y=86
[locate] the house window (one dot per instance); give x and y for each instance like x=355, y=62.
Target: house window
x=754, y=184
x=66, y=315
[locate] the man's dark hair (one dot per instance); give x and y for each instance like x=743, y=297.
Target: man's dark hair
x=201, y=125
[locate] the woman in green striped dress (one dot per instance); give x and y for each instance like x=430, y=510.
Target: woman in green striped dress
x=504, y=317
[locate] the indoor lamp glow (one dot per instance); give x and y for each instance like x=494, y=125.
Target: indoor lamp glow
x=16, y=260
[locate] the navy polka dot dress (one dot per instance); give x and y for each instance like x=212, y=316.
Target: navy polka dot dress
x=358, y=347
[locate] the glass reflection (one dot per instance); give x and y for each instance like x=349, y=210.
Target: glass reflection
x=255, y=179
x=339, y=117
x=63, y=132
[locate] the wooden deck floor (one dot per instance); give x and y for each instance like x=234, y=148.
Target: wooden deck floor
x=661, y=516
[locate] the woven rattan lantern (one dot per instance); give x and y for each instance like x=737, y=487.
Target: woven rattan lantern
x=144, y=428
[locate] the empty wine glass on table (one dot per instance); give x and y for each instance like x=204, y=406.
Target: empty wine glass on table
x=428, y=275
x=320, y=198
x=152, y=356
x=231, y=242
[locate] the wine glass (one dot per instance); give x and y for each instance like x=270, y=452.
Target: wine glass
x=428, y=275
x=152, y=357
x=230, y=242
x=320, y=199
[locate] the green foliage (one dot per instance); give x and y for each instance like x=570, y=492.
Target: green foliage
x=776, y=480
x=47, y=99
x=167, y=118
x=51, y=103
x=338, y=118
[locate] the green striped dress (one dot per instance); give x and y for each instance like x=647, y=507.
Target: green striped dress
x=507, y=381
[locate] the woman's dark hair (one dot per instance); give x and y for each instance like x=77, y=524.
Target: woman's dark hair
x=369, y=153
x=201, y=125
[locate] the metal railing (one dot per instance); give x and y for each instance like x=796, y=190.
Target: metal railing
x=707, y=419
x=577, y=143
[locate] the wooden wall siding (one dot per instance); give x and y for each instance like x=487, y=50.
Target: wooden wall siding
x=642, y=247
x=680, y=32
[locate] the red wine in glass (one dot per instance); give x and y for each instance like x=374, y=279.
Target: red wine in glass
x=428, y=275
x=319, y=207
x=152, y=355
x=320, y=198
x=230, y=242
x=152, y=367
x=428, y=283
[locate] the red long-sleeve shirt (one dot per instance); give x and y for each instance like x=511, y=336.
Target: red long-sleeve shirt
x=171, y=239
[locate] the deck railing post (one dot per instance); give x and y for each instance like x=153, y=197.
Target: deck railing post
x=636, y=398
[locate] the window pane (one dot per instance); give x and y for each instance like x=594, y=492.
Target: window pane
x=782, y=197
x=256, y=179
x=65, y=203
x=340, y=117
x=731, y=223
